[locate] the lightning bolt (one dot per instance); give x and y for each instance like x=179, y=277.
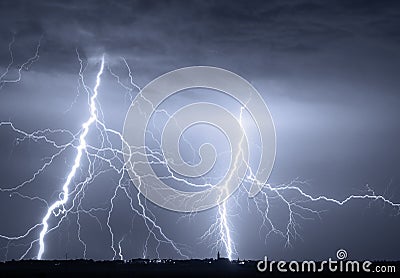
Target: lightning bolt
x=80, y=149
x=105, y=157
x=24, y=66
x=225, y=230
x=74, y=195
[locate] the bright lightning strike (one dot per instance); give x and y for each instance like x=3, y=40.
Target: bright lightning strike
x=80, y=149
x=220, y=232
x=225, y=231
x=70, y=201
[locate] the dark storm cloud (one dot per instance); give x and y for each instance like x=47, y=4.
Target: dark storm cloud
x=169, y=29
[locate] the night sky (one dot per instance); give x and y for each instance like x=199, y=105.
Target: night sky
x=328, y=71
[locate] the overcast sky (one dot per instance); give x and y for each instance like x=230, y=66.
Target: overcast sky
x=328, y=71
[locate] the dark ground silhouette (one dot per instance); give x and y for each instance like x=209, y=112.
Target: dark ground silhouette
x=161, y=268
